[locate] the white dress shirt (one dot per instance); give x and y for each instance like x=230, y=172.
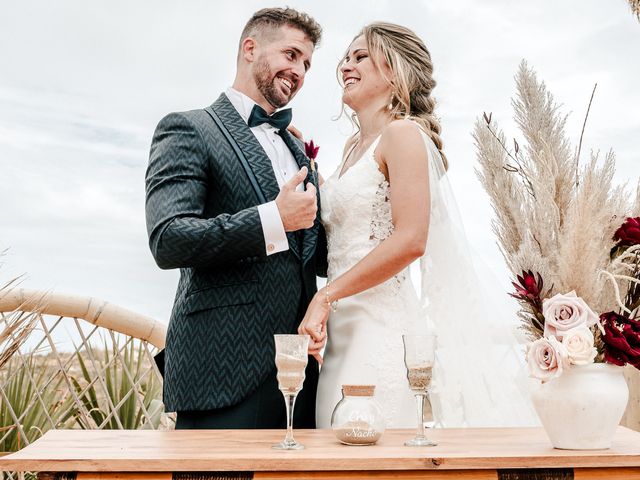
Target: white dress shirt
x=284, y=167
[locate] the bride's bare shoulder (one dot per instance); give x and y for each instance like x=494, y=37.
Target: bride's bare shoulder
x=402, y=126
x=403, y=132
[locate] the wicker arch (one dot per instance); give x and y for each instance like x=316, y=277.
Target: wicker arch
x=83, y=363
x=90, y=309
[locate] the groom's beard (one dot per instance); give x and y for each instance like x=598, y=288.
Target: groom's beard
x=266, y=84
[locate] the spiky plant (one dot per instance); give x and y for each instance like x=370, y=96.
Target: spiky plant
x=31, y=402
x=118, y=389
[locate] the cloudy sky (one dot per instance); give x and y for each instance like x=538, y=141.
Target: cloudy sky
x=83, y=84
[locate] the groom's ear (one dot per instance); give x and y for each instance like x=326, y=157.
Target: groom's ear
x=248, y=49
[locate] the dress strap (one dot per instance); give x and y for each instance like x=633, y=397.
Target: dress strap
x=338, y=170
x=341, y=171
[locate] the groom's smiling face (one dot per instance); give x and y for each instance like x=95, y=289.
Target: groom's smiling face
x=282, y=58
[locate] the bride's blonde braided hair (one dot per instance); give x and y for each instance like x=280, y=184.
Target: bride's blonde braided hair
x=412, y=69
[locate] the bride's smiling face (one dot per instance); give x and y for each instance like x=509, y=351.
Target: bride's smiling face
x=362, y=80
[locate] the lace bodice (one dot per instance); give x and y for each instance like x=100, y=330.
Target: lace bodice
x=356, y=212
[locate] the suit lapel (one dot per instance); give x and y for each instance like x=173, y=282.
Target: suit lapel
x=255, y=156
x=310, y=235
x=298, y=154
x=253, y=151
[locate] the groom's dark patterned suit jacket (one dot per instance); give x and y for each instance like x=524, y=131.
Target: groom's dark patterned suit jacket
x=207, y=174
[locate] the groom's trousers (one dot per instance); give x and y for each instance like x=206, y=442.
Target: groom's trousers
x=263, y=409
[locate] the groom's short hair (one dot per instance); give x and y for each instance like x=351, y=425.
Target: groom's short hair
x=268, y=20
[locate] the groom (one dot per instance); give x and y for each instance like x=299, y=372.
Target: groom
x=231, y=201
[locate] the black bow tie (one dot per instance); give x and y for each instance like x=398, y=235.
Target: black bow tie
x=279, y=120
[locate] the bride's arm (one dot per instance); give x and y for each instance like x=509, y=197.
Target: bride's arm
x=402, y=156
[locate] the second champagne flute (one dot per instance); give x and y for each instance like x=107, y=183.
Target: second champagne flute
x=419, y=356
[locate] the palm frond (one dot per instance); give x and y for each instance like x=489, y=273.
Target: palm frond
x=16, y=326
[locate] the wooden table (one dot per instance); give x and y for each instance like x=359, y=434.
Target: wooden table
x=479, y=454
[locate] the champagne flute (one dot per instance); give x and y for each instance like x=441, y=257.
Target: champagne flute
x=291, y=361
x=419, y=356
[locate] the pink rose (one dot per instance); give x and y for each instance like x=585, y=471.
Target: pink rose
x=564, y=312
x=579, y=343
x=546, y=358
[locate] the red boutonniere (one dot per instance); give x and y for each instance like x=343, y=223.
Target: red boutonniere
x=312, y=152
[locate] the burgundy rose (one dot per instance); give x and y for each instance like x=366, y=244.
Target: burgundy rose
x=621, y=339
x=311, y=150
x=629, y=232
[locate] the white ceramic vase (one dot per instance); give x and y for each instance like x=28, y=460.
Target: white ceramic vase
x=581, y=409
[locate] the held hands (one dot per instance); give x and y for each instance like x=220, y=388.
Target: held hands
x=314, y=324
x=297, y=209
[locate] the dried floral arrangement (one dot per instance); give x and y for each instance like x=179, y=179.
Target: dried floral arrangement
x=570, y=237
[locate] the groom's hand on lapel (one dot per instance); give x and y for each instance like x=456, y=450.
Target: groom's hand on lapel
x=297, y=209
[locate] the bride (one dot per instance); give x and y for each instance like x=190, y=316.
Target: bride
x=388, y=204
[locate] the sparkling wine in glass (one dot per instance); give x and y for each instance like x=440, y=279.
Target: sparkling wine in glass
x=291, y=361
x=419, y=356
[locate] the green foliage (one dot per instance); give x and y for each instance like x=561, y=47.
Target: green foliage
x=114, y=403
x=21, y=381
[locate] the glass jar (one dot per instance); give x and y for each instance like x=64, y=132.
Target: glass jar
x=357, y=418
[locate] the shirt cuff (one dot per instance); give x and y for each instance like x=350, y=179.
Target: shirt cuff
x=275, y=238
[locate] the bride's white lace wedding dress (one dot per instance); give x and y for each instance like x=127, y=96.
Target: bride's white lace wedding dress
x=365, y=332
x=476, y=363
